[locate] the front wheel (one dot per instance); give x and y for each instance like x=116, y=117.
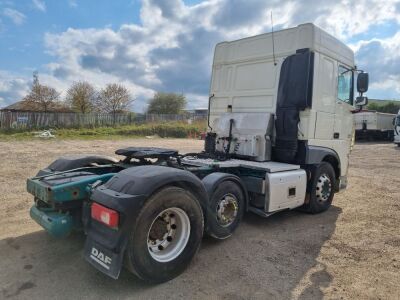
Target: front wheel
x=166, y=235
x=322, y=185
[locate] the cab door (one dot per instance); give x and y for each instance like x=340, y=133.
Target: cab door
x=325, y=84
x=343, y=126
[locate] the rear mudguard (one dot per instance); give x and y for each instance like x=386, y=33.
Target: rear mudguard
x=66, y=163
x=126, y=193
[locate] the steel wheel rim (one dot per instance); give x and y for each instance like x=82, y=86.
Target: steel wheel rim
x=168, y=234
x=323, y=188
x=227, y=210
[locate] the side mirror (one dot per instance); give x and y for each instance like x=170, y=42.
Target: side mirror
x=361, y=100
x=362, y=82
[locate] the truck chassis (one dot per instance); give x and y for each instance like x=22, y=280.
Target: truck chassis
x=166, y=199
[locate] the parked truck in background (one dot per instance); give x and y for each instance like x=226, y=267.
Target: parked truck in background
x=396, y=125
x=280, y=130
x=373, y=125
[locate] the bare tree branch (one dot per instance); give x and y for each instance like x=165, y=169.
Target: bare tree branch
x=81, y=97
x=41, y=96
x=114, y=98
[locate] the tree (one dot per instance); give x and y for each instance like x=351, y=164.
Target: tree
x=166, y=103
x=388, y=107
x=114, y=98
x=81, y=97
x=41, y=97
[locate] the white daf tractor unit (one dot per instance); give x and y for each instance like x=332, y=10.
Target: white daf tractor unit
x=396, y=125
x=280, y=131
x=290, y=96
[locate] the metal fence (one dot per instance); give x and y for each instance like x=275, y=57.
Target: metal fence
x=46, y=120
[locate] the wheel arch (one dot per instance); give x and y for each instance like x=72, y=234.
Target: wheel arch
x=197, y=190
x=147, y=180
x=334, y=162
x=314, y=155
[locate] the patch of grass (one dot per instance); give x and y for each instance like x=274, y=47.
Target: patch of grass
x=172, y=129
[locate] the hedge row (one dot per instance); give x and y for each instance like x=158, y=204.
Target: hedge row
x=173, y=129
x=162, y=130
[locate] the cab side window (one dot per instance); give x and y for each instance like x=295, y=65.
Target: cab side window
x=345, y=85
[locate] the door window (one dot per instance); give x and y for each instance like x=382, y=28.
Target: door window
x=345, y=85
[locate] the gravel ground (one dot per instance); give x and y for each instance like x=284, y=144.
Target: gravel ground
x=348, y=252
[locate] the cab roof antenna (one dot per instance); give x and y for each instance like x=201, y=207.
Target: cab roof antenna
x=273, y=40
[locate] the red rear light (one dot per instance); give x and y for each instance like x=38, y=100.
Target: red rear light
x=105, y=215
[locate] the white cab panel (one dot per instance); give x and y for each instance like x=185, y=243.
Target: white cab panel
x=245, y=75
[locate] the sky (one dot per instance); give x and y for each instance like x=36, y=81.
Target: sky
x=167, y=45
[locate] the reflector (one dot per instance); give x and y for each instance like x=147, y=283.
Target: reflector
x=105, y=215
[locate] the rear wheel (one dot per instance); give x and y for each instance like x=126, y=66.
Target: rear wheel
x=226, y=210
x=166, y=235
x=322, y=187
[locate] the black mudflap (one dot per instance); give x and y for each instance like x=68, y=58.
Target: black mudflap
x=103, y=259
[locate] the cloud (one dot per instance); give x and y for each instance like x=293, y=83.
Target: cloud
x=40, y=5
x=1, y=26
x=73, y=3
x=172, y=47
x=343, y=18
x=14, y=15
x=172, y=51
x=382, y=58
x=12, y=88
x=237, y=13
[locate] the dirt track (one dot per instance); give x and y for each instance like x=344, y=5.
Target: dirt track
x=350, y=252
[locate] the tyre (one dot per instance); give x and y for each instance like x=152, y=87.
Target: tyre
x=321, y=188
x=226, y=210
x=166, y=235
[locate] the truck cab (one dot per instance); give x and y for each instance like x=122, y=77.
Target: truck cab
x=302, y=77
